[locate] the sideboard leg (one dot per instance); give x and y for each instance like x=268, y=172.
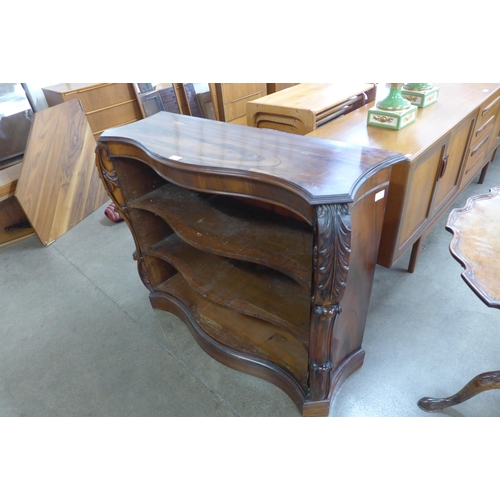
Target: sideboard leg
x=483, y=173
x=483, y=382
x=415, y=250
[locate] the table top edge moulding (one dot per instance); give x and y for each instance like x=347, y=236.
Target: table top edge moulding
x=479, y=273
x=276, y=294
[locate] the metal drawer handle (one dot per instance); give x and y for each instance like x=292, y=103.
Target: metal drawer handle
x=485, y=110
x=485, y=125
x=443, y=166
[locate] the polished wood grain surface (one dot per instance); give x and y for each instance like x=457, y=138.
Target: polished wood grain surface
x=264, y=164
x=59, y=185
x=281, y=297
x=476, y=244
x=306, y=106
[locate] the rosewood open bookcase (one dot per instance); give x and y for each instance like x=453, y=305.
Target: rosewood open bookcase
x=263, y=243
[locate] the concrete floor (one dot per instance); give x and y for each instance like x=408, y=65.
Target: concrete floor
x=79, y=337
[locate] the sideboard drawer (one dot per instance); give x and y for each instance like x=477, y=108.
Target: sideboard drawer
x=488, y=110
x=106, y=95
x=120, y=114
x=483, y=130
x=472, y=168
x=478, y=148
x=234, y=92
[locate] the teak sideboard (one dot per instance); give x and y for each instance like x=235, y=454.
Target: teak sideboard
x=281, y=297
x=446, y=148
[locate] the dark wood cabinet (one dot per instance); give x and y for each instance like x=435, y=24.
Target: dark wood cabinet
x=283, y=297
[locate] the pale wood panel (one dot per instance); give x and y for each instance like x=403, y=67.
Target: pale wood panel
x=419, y=198
x=11, y=213
x=113, y=116
x=233, y=92
x=447, y=185
x=59, y=185
x=8, y=180
x=106, y=105
x=303, y=107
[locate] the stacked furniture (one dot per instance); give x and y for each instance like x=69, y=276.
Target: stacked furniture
x=307, y=106
x=230, y=100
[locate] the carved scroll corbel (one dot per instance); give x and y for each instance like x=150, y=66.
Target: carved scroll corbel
x=109, y=176
x=332, y=248
x=112, y=185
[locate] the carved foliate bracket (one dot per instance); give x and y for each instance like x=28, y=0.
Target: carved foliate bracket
x=112, y=185
x=332, y=249
x=109, y=176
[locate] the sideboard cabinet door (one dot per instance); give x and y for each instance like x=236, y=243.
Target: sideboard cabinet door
x=425, y=187
x=448, y=173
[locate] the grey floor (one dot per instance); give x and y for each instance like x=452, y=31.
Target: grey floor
x=78, y=337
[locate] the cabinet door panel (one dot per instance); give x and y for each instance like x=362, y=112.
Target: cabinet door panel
x=420, y=192
x=447, y=183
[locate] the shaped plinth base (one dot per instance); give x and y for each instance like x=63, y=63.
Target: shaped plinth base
x=421, y=98
x=392, y=119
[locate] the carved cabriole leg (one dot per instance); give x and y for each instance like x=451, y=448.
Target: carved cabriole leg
x=483, y=382
x=332, y=247
x=109, y=177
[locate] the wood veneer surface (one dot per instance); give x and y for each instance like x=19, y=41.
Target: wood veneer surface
x=313, y=96
x=455, y=102
x=476, y=244
x=59, y=185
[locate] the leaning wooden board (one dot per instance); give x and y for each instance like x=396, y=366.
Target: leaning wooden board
x=59, y=185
